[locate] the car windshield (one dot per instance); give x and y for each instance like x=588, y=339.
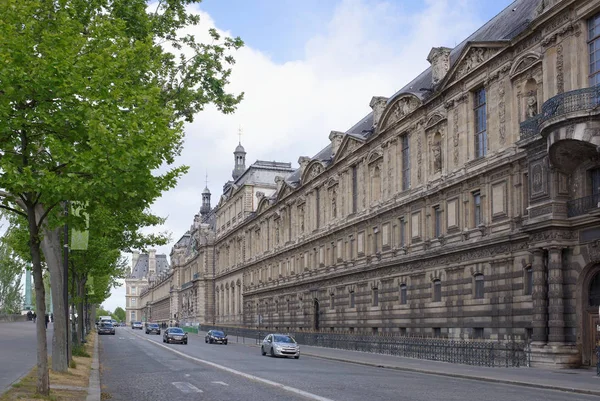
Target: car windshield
x=153, y=325
x=108, y=325
x=137, y=322
x=218, y=333
x=284, y=339
x=176, y=331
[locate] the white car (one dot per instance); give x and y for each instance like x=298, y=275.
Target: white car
x=280, y=345
x=137, y=325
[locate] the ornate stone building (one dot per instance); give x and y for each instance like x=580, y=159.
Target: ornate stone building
x=146, y=269
x=465, y=205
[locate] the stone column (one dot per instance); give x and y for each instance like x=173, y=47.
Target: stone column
x=556, y=321
x=540, y=307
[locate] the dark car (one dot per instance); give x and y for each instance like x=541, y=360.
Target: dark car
x=152, y=328
x=175, y=335
x=106, y=328
x=215, y=336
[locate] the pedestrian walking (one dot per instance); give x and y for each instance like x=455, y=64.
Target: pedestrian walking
x=46, y=319
x=34, y=317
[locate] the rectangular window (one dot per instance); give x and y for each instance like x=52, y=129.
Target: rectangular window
x=375, y=297
x=438, y=222
x=437, y=332
x=354, y=188
x=402, y=331
x=477, y=209
x=133, y=291
x=361, y=243
x=478, y=333
x=332, y=301
x=480, y=123
x=133, y=302
x=133, y=316
x=403, y=294
x=437, y=291
x=352, y=300
x=402, y=232
x=479, y=286
x=405, y=163
x=594, y=49
x=375, y=239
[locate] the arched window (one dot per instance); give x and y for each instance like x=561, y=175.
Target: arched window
x=437, y=290
x=403, y=294
x=376, y=184
x=594, y=298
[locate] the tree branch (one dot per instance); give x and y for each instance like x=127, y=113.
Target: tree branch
x=14, y=210
x=15, y=199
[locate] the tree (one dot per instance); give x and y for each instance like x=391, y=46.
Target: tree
x=120, y=314
x=92, y=105
x=103, y=312
x=11, y=271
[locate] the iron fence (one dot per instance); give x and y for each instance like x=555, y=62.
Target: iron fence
x=467, y=352
x=561, y=104
x=577, y=207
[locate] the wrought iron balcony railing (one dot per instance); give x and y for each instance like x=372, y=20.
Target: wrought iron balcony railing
x=561, y=104
x=577, y=207
x=186, y=285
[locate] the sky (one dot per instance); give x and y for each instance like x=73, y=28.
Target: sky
x=307, y=68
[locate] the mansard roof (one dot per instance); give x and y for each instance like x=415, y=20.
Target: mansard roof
x=505, y=26
x=140, y=270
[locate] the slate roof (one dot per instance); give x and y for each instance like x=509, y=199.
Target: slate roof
x=140, y=270
x=505, y=26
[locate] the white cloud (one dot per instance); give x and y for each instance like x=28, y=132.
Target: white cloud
x=369, y=48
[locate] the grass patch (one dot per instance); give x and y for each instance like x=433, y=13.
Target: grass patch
x=73, y=364
x=79, y=350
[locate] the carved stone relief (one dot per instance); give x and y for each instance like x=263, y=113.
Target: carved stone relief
x=502, y=115
x=455, y=139
x=560, y=79
x=419, y=157
x=475, y=57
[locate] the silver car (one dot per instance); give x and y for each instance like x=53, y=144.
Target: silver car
x=280, y=345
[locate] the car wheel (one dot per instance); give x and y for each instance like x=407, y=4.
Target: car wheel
x=164, y=340
x=297, y=357
x=272, y=353
x=225, y=342
x=210, y=341
x=185, y=342
x=206, y=341
x=262, y=351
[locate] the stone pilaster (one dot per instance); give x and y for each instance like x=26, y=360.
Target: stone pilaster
x=556, y=321
x=540, y=306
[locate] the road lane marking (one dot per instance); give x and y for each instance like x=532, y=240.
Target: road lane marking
x=248, y=376
x=221, y=383
x=186, y=388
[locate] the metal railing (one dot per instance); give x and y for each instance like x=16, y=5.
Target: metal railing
x=467, y=352
x=577, y=207
x=186, y=285
x=561, y=104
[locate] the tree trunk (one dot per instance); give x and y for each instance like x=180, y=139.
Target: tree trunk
x=80, y=308
x=74, y=330
x=43, y=377
x=52, y=247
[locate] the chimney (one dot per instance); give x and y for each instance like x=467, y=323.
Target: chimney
x=336, y=140
x=134, y=258
x=439, y=58
x=303, y=162
x=378, y=104
x=151, y=261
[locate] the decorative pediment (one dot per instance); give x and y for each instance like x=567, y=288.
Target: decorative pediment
x=524, y=62
x=263, y=202
x=434, y=120
x=332, y=182
x=473, y=56
x=374, y=156
x=283, y=190
x=399, y=109
x=348, y=145
x=314, y=169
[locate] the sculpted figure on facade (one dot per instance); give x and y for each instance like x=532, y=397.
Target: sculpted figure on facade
x=532, y=105
x=437, y=157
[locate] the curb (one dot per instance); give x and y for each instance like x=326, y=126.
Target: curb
x=94, y=390
x=453, y=375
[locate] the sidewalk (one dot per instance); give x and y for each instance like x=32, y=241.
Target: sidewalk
x=582, y=381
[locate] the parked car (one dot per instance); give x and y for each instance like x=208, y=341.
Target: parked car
x=152, y=328
x=137, y=325
x=280, y=345
x=215, y=336
x=106, y=328
x=175, y=335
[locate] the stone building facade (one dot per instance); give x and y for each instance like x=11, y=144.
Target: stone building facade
x=465, y=205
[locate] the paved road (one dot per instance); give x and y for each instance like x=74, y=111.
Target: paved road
x=136, y=368
x=18, y=351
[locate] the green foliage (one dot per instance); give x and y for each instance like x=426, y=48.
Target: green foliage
x=102, y=312
x=120, y=314
x=79, y=350
x=11, y=272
